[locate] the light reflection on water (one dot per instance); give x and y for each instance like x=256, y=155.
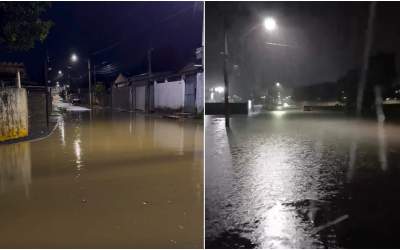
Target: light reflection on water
x=279, y=181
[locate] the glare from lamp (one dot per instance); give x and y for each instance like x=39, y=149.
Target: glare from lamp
x=270, y=24
x=219, y=89
x=74, y=57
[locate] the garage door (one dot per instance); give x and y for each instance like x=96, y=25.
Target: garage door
x=141, y=98
x=190, y=93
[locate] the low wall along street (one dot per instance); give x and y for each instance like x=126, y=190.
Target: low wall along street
x=169, y=95
x=219, y=108
x=13, y=113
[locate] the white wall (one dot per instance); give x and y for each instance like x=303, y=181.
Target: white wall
x=200, y=92
x=169, y=95
x=13, y=113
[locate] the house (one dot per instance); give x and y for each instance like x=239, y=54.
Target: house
x=182, y=91
x=135, y=93
x=162, y=91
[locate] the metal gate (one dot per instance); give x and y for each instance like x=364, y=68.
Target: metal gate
x=151, y=101
x=140, y=98
x=190, y=94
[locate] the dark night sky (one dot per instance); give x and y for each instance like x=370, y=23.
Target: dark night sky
x=327, y=39
x=173, y=29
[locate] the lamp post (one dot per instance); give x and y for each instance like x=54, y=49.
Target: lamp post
x=226, y=81
x=74, y=58
x=149, y=72
x=270, y=25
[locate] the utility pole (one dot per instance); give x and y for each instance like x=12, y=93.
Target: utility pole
x=149, y=61
x=69, y=83
x=94, y=75
x=203, y=37
x=226, y=80
x=94, y=81
x=367, y=50
x=46, y=78
x=90, y=86
x=149, y=77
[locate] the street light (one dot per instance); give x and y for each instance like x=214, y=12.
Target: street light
x=60, y=72
x=219, y=89
x=269, y=24
x=277, y=84
x=74, y=57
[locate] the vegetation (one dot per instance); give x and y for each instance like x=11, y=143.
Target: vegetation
x=381, y=72
x=21, y=25
x=99, y=89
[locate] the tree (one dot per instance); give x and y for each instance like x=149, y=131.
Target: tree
x=99, y=89
x=21, y=25
x=381, y=72
x=99, y=92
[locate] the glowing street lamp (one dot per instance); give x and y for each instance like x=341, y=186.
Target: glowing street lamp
x=270, y=24
x=60, y=72
x=219, y=90
x=277, y=84
x=74, y=57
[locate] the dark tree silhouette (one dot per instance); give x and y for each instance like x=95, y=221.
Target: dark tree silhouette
x=381, y=72
x=21, y=25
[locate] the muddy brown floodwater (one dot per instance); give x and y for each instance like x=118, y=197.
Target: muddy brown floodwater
x=117, y=180
x=288, y=179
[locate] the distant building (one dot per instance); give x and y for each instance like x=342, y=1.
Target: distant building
x=135, y=92
x=9, y=73
x=162, y=91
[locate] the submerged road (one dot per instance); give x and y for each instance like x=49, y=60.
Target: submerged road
x=113, y=180
x=291, y=179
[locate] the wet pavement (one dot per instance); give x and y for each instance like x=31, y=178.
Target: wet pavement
x=110, y=180
x=292, y=179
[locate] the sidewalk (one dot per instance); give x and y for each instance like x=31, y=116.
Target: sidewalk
x=39, y=129
x=37, y=132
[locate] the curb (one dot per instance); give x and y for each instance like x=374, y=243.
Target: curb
x=20, y=140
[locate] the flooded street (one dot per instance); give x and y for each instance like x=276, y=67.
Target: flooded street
x=115, y=180
x=291, y=179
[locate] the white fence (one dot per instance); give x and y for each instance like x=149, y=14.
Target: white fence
x=169, y=95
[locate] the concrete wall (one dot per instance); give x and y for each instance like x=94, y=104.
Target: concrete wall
x=37, y=117
x=13, y=113
x=218, y=108
x=200, y=93
x=169, y=95
x=318, y=103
